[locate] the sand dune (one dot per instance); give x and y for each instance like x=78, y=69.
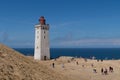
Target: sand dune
x=15, y=66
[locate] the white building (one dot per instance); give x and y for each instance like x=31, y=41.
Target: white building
x=42, y=50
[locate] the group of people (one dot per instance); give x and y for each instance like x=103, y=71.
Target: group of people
x=105, y=71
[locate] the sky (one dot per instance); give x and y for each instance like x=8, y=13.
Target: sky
x=73, y=23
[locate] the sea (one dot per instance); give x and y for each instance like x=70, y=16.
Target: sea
x=98, y=53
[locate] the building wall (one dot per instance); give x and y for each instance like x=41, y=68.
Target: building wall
x=41, y=42
x=37, y=49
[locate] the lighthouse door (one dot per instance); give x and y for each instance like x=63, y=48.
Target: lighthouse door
x=45, y=57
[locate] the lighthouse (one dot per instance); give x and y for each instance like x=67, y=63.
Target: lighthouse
x=42, y=50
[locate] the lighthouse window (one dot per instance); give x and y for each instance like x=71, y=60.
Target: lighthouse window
x=37, y=31
x=44, y=32
x=37, y=37
x=44, y=37
x=37, y=27
x=37, y=47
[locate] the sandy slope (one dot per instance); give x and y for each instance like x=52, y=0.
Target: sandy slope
x=15, y=66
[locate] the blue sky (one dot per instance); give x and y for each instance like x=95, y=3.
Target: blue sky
x=73, y=23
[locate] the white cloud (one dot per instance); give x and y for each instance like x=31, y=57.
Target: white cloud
x=4, y=37
x=15, y=43
x=88, y=43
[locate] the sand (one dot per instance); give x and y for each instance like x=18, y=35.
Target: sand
x=78, y=72
x=15, y=66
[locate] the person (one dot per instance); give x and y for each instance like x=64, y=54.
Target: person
x=110, y=69
x=106, y=71
x=77, y=62
x=102, y=71
x=85, y=59
x=93, y=58
x=94, y=70
x=55, y=59
x=101, y=60
x=53, y=65
x=72, y=59
x=62, y=65
x=97, y=60
x=92, y=65
x=68, y=61
x=82, y=65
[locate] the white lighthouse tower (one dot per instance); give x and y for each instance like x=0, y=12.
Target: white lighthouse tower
x=42, y=50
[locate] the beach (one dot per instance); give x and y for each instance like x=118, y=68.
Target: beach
x=83, y=70
x=15, y=66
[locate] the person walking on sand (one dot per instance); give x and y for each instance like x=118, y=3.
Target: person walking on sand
x=106, y=72
x=92, y=65
x=63, y=65
x=110, y=69
x=102, y=71
x=94, y=70
x=83, y=66
x=77, y=62
x=53, y=65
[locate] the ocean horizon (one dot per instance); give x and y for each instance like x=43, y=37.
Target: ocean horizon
x=98, y=53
